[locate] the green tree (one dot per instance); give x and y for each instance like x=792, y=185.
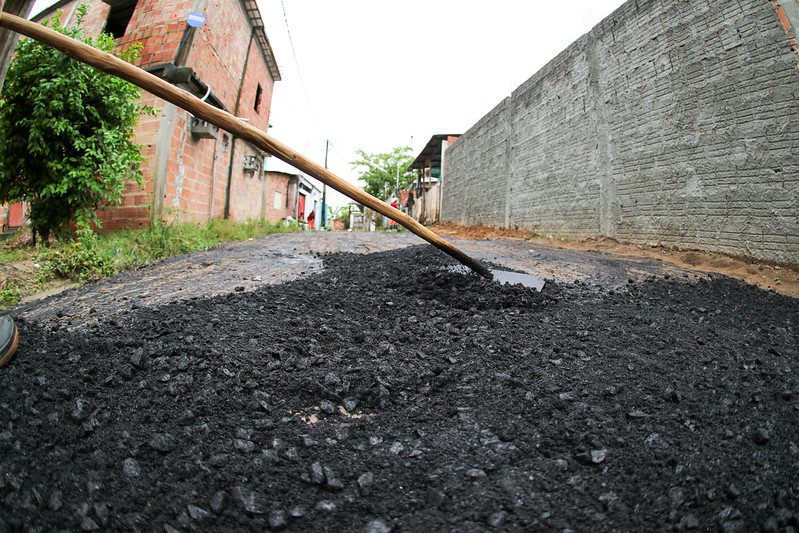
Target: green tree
x=66, y=133
x=379, y=171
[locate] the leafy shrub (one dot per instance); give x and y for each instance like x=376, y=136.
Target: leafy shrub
x=10, y=294
x=66, y=132
x=94, y=256
x=79, y=260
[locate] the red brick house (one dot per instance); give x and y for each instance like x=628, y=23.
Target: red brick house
x=192, y=170
x=290, y=195
x=11, y=216
x=281, y=195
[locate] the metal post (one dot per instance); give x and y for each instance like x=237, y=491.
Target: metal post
x=440, y=202
x=323, y=217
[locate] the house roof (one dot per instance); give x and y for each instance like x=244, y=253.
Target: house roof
x=257, y=23
x=253, y=16
x=282, y=173
x=432, y=150
x=306, y=183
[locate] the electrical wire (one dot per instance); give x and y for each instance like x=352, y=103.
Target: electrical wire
x=305, y=90
x=299, y=71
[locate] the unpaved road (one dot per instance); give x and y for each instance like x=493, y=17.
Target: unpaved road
x=247, y=266
x=388, y=393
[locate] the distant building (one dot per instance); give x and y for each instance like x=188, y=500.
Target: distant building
x=289, y=194
x=425, y=197
x=280, y=198
x=362, y=218
x=11, y=216
x=309, y=198
x=192, y=171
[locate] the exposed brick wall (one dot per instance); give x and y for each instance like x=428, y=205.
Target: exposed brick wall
x=158, y=26
x=246, y=190
x=13, y=215
x=280, y=182
x=196, y=171
x=672, y=122
x=134, y=211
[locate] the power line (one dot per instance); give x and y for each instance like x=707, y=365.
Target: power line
x=299, y=71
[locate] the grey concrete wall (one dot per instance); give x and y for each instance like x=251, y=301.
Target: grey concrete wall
x=672, y=122
x=479, y=168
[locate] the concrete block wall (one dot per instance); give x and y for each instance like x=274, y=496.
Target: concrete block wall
x=672, y=122
x=479, y=169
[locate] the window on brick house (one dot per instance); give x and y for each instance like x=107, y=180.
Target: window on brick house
x=259, y=92
x=119, y=17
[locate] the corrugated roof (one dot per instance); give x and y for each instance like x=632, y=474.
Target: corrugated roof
x=254, y=15
x=432, y=150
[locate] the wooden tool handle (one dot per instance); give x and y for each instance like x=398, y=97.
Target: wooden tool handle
x=183, y=99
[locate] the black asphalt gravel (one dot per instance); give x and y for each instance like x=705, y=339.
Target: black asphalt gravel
x=390, y=394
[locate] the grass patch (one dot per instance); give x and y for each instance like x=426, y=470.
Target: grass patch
x=93, y=256
x=11, y=255
x=10, y=294
x=131, y=248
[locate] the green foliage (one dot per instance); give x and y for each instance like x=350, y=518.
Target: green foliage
x=379, y=171
x=10, y=294
x=343, y=212
x=225, y=230
x=94, y=256
x=80, y=260
x=66, y=132
x=9, y=254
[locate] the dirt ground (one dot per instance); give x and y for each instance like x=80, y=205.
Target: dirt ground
x=247, y=266
x=782, y=279
x=284, y=384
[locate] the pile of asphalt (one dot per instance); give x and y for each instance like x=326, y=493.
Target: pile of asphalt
x=385, y=395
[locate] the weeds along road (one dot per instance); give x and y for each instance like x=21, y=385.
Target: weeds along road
x=247, y=266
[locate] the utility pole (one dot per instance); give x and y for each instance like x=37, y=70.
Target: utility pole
x=323, y=218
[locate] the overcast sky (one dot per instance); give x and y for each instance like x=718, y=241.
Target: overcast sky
x=375, y=74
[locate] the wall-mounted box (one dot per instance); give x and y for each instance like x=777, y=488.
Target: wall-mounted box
x=201, y=129
x=252, y=164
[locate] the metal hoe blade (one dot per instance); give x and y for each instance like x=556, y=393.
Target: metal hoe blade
x=514, y=278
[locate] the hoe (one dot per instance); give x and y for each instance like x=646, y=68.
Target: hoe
x=9, y=337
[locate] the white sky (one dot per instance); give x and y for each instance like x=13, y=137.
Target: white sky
x=378, y=73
